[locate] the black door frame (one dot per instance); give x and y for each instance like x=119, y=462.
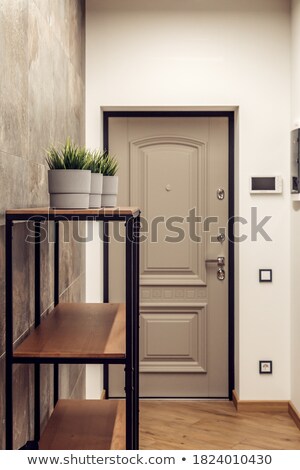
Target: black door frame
x=169, y=114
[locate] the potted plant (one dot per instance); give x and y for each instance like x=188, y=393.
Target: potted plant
x=110, y=180
x=94, y=163
x=69, y=182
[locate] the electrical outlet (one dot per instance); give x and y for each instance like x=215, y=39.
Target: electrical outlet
x=265, y=367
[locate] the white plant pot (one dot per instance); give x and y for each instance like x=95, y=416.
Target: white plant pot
x=95, y=201
x=69, y=189
x=96, y=190
x=110, y=191
x=69, y=201
x=109, y=200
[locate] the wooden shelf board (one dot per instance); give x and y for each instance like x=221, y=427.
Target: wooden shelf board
x=79, y=330
x=85, y=425
x=109, y=211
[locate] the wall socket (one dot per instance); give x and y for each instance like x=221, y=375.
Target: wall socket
x=265, y=367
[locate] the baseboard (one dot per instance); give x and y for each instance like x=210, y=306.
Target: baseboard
x=235, y=399
x=294, y=414
x=265, y=406
x=103, y=395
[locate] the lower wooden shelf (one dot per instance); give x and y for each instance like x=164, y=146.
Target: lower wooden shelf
x=85, y=425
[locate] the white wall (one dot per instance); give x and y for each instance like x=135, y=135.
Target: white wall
x=295, y=219
x=204, y=53
x=93, y=294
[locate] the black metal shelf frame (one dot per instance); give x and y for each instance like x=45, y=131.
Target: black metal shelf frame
x=131, y=360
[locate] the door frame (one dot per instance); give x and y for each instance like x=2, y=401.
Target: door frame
x=107, y=115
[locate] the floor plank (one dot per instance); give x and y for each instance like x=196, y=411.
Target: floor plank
x=213, y=425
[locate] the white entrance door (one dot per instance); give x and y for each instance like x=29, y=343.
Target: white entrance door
x=176, y=171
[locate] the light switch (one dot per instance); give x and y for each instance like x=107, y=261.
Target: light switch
x=265, y=275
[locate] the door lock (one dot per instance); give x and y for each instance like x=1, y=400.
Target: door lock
x=221, y=274
x=221, y=237
x=220, y=261
x=220, y=194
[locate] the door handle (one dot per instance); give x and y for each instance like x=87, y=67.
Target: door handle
x=220, y=261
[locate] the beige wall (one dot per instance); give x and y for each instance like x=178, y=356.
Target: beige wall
x=42, y=88
x=295, y=213
x=197, y=54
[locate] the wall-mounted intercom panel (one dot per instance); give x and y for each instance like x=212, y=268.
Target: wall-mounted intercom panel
x=265, y=185
x=295, y=159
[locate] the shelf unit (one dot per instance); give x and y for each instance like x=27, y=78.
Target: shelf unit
x=87, y=333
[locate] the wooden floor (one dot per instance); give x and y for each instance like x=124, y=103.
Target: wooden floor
x=213, y=425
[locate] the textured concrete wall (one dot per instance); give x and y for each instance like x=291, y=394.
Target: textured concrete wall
x=42, y=87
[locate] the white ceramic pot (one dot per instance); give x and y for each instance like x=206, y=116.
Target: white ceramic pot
x=109, y=200
x=69, y=189
x=110, y=191
x=96, y=190
x=69, y=201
